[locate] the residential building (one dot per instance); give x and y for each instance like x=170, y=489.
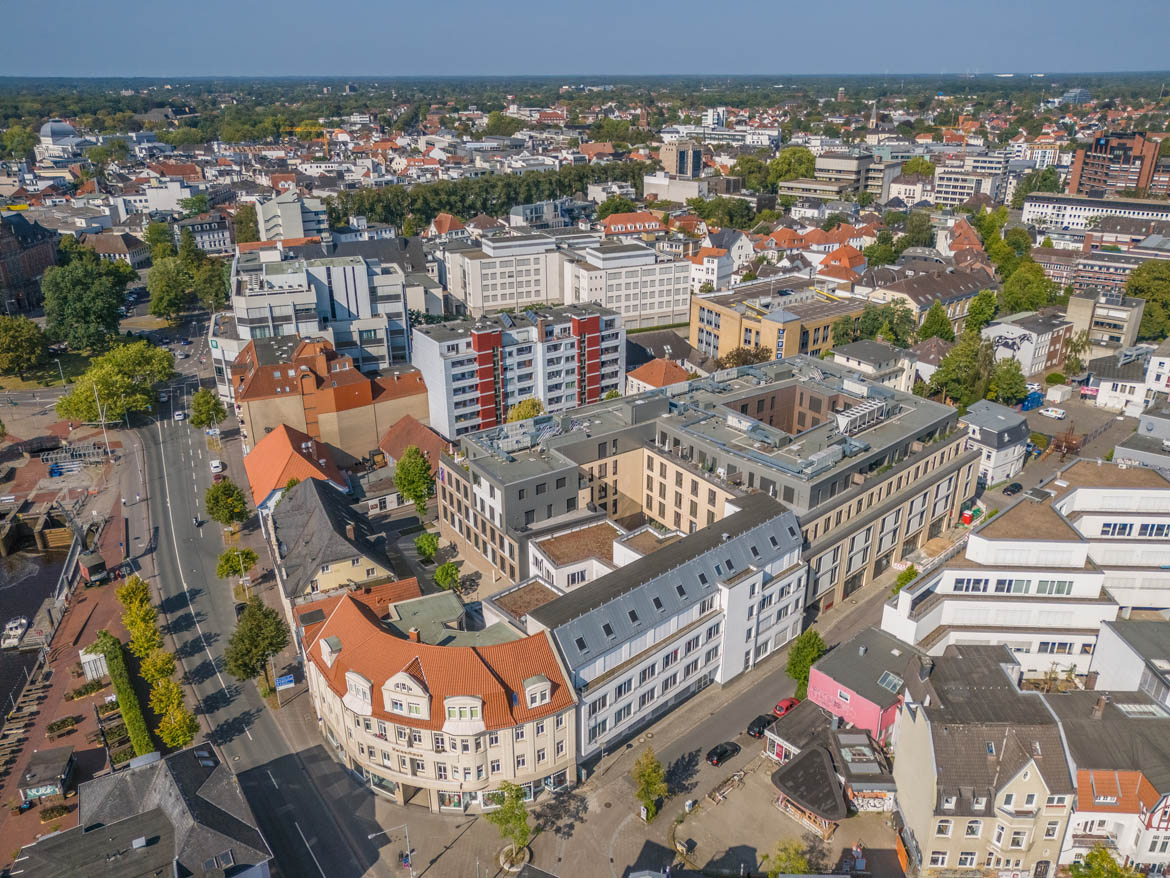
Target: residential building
x=929, y=355
x=655, y=374
x=711, y=269
x=426, y=711
x=212, y=233
x=1110, y=318
x=983, y=780
x=737, y=244
x=640, y=224
x=951, y=288
x=912, y=188
x=879, y=177
x=323, y=545
x=1122, y=161
x=1000, y=435
x=862, y=681
x=475, y=371
x=119, y=247
x=871, y=473
x=1119, y=744
x=955, y=186
x=682, y=158
x=646, y=287
x=288, y=215
x=182, y=814
x=26, y=250
x=551, y=214
x=1104, y=271
x=787, y=315
x=506, y=272
x=305, y=384
x=1059, y=265
x=1078, y=212
x=641, y=640
x=446, y=228
x=879, y=362
x=358, y=304
x=408, y=431
x=1034, y=340
x=1119, y=382
x=283, y=455
x=1134, y=654
x=1045, y=574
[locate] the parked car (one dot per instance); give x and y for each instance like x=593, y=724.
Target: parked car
x=184, y=341
x=784, y=706
x=759, y=725
x=720, y=753
x=162, y=396
x=181, y=355
x=1054, y=413
x=180, y=415
x=217, y=466
x=1033, y=387
x=1013, y=489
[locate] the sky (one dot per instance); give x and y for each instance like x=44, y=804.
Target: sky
x=602, y=37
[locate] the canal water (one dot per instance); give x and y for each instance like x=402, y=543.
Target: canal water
x=26, y=579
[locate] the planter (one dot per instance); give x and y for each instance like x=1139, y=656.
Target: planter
x=524, y=858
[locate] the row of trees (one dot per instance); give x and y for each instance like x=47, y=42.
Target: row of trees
x=178, y=278
x=117, y=383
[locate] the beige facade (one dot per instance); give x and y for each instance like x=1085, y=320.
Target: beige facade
x=681, y=498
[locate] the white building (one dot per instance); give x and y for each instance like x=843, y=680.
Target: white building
x=1063, y=211
x=290, y=216
x=1043, y=576
x=1033, y=340
x=664, y=187
x=646, y=287
x=879, y=362
x=1134, y=654
x=1000, y=435
x=954, y=186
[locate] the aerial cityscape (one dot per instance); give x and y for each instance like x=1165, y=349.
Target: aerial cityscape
x=414, y=462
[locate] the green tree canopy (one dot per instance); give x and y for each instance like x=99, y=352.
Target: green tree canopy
x=525, y=409
x=918, y=166
x=447, y=575
x=501, y=125
x=17, y=142
x=178, y=727
x=1151, y=281
x=414, y=479
x=936, y=324
x=23, y=345
x=169, y=286
x=158, y=234
x=1026, y=290
x=744, y=356
x=614, y=204
x=246, y=226
x=805, y=649
x=649, y=781
x=511, y=817
x=190, y=255
x=793, y=163
x=123, y=380
x=1047, y=180
x=1099, y=863
x=753, y=171
x=235, y=562
x=427, y=545
x=82, y=301
x=788, y=859
x=195, y=205
x=210, y=285
x=1008, y=384
x=832, y=221
x=982, y=310
x=964, y=373
x=881, y=252
x=896, y=319
x=132, y=592
x=260, y=634
x=226, y=503
x=157, y=665
x=207, y=409
x=919, y=232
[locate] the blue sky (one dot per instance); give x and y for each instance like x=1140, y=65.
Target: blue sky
x=510, y=37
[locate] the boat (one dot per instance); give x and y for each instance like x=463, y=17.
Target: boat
x=13, y=632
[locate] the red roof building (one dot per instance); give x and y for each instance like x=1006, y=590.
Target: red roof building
x=286, y=454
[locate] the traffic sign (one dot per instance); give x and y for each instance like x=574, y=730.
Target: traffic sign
x=286, y=682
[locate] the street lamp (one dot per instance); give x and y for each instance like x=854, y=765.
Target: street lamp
x=59, y=369
x=406, y=831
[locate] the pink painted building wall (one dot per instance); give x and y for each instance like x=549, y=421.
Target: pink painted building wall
x=854, y=709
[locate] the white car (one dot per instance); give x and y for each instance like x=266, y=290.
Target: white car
x=180, y=415
x=1033, y=387
x=217, y=466
x=1054, y=413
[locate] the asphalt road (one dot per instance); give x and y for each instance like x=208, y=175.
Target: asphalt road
x=200, y=612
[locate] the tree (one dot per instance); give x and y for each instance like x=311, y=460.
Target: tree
x=1151, y=281
x=501, y=125
x=18, y=142
x=744, y=356
x=1099, y=863
x=194, y=205
x=1008, y=384
x=896, y=320
x=918, y=166
x=169, y=286
x=865, y=198
x=447, y=576
x=246, y=225
x=919, y=232
x=936, y=324
x=881, y=252
x=427, y=545
x=1027, y=289
x=190, y=255
x=832, y=221
x=753, y=172
x=805, y=650
x=614, y=204
x=165, y=694
x=964, y=372
x=157, y=665
x=121, y=380
x=789, y=859
x=793, y=163
x=209, y=284
x=981, y=311
x=511, y=818
x=158, y=234
x=22, y=344
x=414, y=479
x=178, y=727
x=82, y=298
x=3, y=432
x=613, y=394
x=1074, y=347
x=649, y=781
x=141, y=621
x=525, y=409
x=133, y=591
x=260, y=634
x=207, y=409
x=706, y=287
x=235, y=562
x=1047, y=180
x=226, y=503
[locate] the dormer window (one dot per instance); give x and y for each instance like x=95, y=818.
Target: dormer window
x=537, y=690
x=357, y=693
x=463, y=712
x=330, y=649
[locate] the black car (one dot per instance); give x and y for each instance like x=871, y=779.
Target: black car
x=1013, y=488
x=757, y=726
x=720, y=753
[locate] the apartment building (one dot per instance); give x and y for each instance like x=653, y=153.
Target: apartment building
x=212, y=233
x=428, y=712
x=848, y=168
x=789, y=315
x=289, y=216
x=1110, y=318
x=879, y=362
x=1105, y=271
x=955, y=186
x=1043, y=576
x=952, y=288
x=358, y=304
x=476, y=370
x=1120, y=161
x=1035, y=341
x=981, y=768
x=1078, y=212
x=645, y=287
x=119, y=247
x=870, y=472
x=641, y=640
x=1000, y=435
x=506, y=272
x=1059, y=265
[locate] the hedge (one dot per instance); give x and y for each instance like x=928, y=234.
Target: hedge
x=115, y=654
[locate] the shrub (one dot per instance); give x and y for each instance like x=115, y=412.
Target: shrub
x=1054, y=378
x=906, y=577
x=52, y=812
x=111, y=647
x=123, y=755
x=58, y=725
x=85, y=689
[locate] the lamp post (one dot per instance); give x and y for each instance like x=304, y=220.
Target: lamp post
x=102, y=417
x=406, y=831
x=61, y=370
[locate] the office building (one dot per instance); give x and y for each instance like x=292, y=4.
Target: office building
x=1122, y=161
x=1110, y=318
x=682, y=159
x=647, y=288
x=848, y=168
x=1058, y=210
x=26, y=250
x=1131, y=654
x=955, y=186
x=476, y=370
x=289, y=216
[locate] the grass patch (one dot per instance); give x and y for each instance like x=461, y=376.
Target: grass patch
x=47, y=374
x=656, y=328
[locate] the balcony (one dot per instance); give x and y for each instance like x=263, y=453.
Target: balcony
x=1093, y=839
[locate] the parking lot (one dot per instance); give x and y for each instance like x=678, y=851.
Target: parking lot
x=1083, y=417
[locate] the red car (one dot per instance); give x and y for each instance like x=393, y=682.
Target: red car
x=785, y=705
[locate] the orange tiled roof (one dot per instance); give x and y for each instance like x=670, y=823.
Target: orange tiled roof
x=839, y=272
x=846, y=256
x=445, y=223
x=285, y=454
x=283, y=242
x=660, y=373
x=409, y=430
x=495, y=673
x=1130, y=788
x=377, y=597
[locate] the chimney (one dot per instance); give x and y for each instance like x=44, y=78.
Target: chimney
x=413, y=635
x=1099, y=707
x=725, y=537
x=926, y=666
x=349, y=531
x=862, y=650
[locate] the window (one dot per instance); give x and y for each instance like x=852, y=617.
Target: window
x=623, y=688
x=998, y=834
x=540, y=728
x=1018, y=838
x=1009, y=800
x=1051, y=828
x=843, y=695
x=1054, y=586
x=974, y=828
x=943, y=829
x=949, y=803
x=967, y=858
x=1029, y=800
x=647, y=673
x=1056, y=801
x=1116, y=529
x=938, y=858
x=519, y=733
x=521, y=761
x=495, y=766
x=494, y=739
